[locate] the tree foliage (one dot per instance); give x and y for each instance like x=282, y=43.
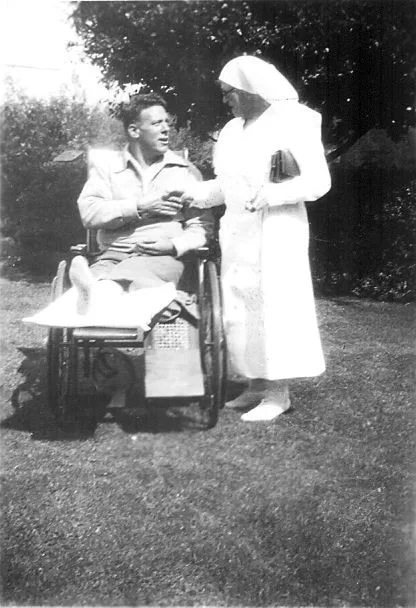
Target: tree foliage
x=353, y=60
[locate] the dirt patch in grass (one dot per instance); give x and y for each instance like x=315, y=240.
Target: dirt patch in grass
x=314, y=510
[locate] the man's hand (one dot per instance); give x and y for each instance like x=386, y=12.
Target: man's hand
x=161, y=246
x=166, y=203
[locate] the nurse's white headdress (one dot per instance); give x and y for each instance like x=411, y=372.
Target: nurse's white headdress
x=257, y=76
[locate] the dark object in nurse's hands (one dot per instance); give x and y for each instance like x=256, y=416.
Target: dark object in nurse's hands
x=283, y=166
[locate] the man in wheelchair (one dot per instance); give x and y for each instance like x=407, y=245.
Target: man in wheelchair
x=132, y=199
x=131, y=293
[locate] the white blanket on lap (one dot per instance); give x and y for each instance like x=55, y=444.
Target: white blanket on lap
x=129, y=310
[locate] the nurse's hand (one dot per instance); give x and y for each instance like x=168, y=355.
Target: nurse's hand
x=189, y=195
x=203, y=195
x=257, y=203
x=160, y=203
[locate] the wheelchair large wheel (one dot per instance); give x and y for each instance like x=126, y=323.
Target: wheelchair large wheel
x=61, y=360
x=212, y=342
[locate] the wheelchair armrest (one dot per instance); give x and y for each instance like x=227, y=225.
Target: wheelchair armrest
x=80, y=249
x=203, y=252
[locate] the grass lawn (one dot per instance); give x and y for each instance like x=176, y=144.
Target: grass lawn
x=314, y=510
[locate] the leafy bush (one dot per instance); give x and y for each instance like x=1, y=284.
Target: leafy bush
x=39, y=196
x=359, y=251
x=363, y=229
x=200, y=151
x=396, y=272
x=377, y=149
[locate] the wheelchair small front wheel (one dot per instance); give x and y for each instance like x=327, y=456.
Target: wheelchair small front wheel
x=62, y=372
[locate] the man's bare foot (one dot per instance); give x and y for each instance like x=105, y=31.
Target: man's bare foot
x=83, y=280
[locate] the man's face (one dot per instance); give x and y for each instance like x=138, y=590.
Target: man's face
x=151, y=131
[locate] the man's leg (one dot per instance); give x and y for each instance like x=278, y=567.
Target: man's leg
x=153, y=271
x=147, y=271
x=91, y=291
x=102, y=282
x=106, y=262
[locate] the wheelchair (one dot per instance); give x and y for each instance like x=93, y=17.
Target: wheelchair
x=183, y=360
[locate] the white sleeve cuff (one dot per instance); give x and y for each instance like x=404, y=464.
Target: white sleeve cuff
x=129, y=208
x=293, y=191
x=207, y=194
x=188, y=241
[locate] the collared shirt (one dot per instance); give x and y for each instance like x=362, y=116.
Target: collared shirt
x=117, y=182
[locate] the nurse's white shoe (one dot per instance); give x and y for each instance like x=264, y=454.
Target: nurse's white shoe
x=266, y=411
x=248, y=398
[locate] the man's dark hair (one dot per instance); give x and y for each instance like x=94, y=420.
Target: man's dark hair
x=129, y=112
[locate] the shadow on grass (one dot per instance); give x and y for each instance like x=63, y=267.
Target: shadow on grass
x=163, y=418
x=168, y=416
x=32, y=415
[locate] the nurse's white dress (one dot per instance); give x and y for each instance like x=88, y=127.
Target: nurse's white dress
x=269, y=308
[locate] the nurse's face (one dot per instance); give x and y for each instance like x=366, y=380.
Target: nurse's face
x=240, y=102
x=231, y=97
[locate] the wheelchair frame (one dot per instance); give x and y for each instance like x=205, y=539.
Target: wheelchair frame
x=65, y=345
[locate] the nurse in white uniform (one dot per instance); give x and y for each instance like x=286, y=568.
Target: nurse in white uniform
x=269, y=309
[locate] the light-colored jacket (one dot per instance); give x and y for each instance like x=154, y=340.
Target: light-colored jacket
x=116, y=182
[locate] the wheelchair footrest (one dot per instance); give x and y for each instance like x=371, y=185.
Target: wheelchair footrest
x=171, y=373
x=108, y=334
